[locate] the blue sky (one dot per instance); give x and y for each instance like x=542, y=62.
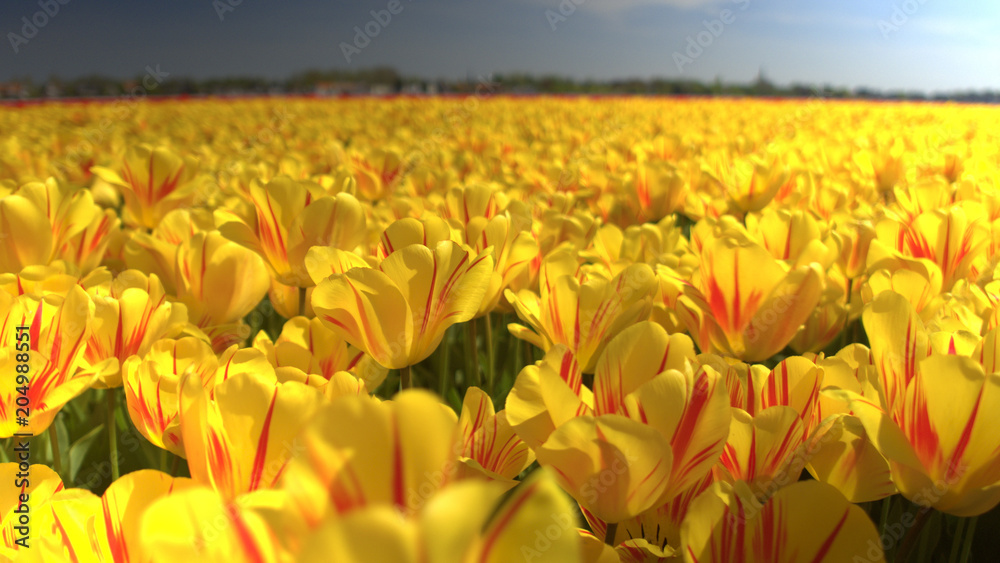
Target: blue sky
x=932, y=45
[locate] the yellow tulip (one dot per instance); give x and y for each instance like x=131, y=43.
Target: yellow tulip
x=579, y=310
x=315, y=349
x=923, y=412
x=129, y=316
x=746, y=303
x=220, y=282
x=241, y=437
x=153, y=181
x=398, y=312
x=464, y=522
x=152, y=383
x=490, y=446
x=729, y=524
x=292, y=217
x=53, y=346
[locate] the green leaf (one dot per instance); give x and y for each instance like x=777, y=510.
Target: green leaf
x=78, y=450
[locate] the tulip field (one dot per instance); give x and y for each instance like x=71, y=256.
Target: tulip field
x=499, y=329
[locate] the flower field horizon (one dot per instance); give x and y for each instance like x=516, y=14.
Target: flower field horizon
x=499, y=328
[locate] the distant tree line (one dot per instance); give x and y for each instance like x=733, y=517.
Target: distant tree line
x=386, y=80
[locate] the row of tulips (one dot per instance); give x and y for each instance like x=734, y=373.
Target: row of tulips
x=756, y=339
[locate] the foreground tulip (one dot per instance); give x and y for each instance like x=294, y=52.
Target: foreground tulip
x=927, y=413
x=53, y=347
x=464, y=522
x=199, y=525
x=727, y=524
x=397, y=313
x=152, y=383
x=241, y=438
x=115, y=529
x=401, y=452
x=42, y=484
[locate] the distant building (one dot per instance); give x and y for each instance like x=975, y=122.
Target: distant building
x=338, y=88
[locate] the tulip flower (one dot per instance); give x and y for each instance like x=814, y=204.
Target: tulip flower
x=199, y=524
x=241, y=437
x=129, y=316
x=43, y=483
x=581, y=311
x=152, y=383
x=546, y=395
x=156, y=252
x=42, y=222
x=749, y=183
x=490, y=446
x=220, y=282
x=944, y=241
x=403, y=451
x=54, y=345
x=315, y=349
x=398, y=312
x=115, y=530
x=479, y=527
x=659, y=189
x=907, y=409
x=291, y=218
x=66, y=516
x=153, y=181
x=728, y=524
x=744, y=302
x=613, y=466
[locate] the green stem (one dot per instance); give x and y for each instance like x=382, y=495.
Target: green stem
x=472, y=356
x=56, y=455
x=302, y=301
x=444, y=373
x=609, y=533
x=112, y=434
x=970, y=531
x=404, y=378
x=175, y=465
x=956, y=541
x=912, y=534
x=490, y=360
x=529, y=353
x=163, y=460
x=884, y=521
